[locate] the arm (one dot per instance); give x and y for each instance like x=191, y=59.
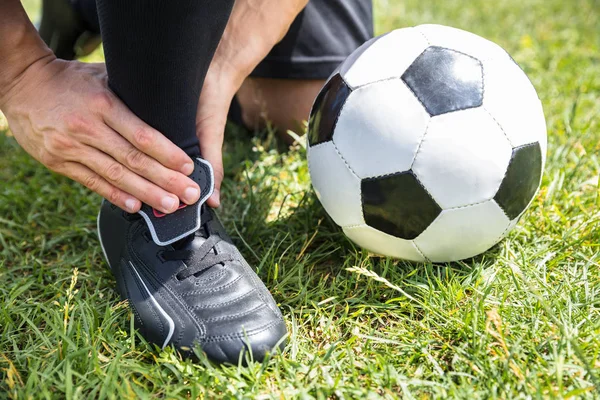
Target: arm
x=65, y=116
x=255, y=26
x=20, y=47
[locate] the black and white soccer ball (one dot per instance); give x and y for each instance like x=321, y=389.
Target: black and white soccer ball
x=427, y=143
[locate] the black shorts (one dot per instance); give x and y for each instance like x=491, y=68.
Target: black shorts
x=320, y=38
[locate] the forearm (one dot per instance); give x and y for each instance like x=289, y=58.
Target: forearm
x=270, y=18
x=20, y=46
x=255, y=26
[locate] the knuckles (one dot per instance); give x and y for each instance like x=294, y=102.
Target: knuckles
x=143, y=138
x=92, y=182
x=59, y=144
x=49, y=160
x=113, y=196
x=102, y=101
x=171, y=182
x=137, y=160
x=175, y=159
x=80, y=127
x=114, y=172
x=76, y=123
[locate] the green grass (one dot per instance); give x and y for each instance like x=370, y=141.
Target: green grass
x=521, y=321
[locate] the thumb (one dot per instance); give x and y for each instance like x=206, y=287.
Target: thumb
x=210, y=133
x=213, y=107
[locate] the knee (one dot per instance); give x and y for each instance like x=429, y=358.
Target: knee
x=284, y=104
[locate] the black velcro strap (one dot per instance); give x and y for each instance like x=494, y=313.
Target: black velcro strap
x=167, y=229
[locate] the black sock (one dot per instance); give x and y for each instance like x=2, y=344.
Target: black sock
x=157, y=55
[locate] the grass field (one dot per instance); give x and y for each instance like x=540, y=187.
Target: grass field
x=521, y=321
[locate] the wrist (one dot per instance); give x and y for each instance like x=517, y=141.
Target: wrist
x=16, y=79
x=20, y=46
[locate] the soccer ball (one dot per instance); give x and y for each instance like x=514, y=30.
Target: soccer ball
x=427, y=143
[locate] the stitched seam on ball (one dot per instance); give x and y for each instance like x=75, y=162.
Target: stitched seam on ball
x=337, y=117
x=397, y=77
x=413, y=92
x=412, y=164
x=482, y=81
x=411, y=172
x=424, y=36
x=355, y=175
x=499, y=126
x=352, y=89
x=393, y=77
x=534, y=195
x=366, y=85
x=469, y=205
x=420, y=143
x=509, y=161
x=344, y=160
x=419, y=250
x=502, y=235
x=355, y=226
x=314, y=146
x=502, y=208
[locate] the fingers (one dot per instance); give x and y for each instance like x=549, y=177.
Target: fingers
x=210, y=137
x=97, y=184
x=122, y=178
x=111, y=143
x=145, y=138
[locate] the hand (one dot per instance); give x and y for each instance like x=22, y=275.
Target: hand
x=215, y=99
x=66, y=117
x=253, y=29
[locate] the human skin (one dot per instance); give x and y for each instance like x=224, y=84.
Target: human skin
x=282, y=103
x=254, y=27
x=66, y=117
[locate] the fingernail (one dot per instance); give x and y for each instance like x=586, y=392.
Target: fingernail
x=191, y=195
x=187, y=169
x=130, y=205
x=169, y=203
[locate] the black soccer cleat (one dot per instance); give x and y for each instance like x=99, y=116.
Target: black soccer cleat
x=187, y=283
x=65, y=30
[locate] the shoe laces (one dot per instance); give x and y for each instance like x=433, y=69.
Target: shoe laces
x=198, y=258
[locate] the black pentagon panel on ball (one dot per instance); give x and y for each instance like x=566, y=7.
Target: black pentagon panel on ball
x=326, y=110
x=521, y=181
x=445, y=80
x=398, y=205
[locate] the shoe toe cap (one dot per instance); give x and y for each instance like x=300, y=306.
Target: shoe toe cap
x=254, y=345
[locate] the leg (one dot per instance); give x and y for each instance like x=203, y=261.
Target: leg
x=284, y=86
x=186, y=282
x=157, y=54
x=283, y=102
